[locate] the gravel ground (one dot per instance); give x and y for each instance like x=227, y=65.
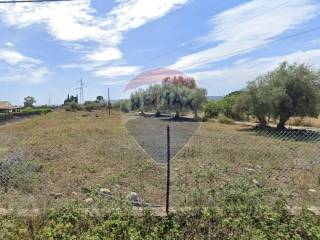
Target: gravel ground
x=151, y=134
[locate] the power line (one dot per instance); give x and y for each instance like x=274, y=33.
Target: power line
x=221, y=30
x=81, y=91
x=34, y=1
x=259, y=45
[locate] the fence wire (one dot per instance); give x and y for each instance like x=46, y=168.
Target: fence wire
x=288, y=158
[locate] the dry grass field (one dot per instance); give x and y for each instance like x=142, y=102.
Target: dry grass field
x=222, y=153
x=307, y=122
x=71, y=155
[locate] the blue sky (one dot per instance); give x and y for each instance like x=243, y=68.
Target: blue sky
x=45, y=48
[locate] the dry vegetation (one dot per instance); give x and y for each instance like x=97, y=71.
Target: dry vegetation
x=71, y=155
x=305, y=122
x=76, y=154
x=221, y=153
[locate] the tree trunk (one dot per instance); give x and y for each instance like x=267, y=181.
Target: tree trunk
x=282, y=122
x=195, y=112
x=262, y=121
x=157, y=114
x=177, y=114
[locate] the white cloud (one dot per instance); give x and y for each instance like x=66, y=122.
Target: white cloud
x=113, y=83
x=9, y=44
x=131, y=14
x=242, y=28
x=235, y=77
x=12, y=57
x=20, y=68
x=117, y=71
x=105, y=55
x=25, y=74
x=78, y=21
x=90, y=66
x=39, y=75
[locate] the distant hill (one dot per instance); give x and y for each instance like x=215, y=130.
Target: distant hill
x=215, y=97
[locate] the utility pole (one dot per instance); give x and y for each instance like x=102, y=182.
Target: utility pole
x=80, y=88
x=109, y=102
x=168, y=172
x=49, y=102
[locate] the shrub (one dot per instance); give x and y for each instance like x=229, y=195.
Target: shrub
x=125, y=106
x=225, y=120
x=44, y=110
x=72, y=107
x=28, y=109
x=297, y=122
x=116, y=106
x=241, y=210
x=90, y=106
x=211, y=109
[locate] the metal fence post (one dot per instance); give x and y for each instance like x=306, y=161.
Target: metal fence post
x=168, y=170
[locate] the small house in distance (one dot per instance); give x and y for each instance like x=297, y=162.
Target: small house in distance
x=6, y=107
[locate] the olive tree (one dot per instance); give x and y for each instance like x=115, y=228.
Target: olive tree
x=197, y=98
x=29, y=101
x=174, y=98
x=289, y=90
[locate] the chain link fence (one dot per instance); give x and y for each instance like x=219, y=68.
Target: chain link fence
x=288, y=159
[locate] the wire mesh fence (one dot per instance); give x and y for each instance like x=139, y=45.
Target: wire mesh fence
x=288, y=158
x=202, y=158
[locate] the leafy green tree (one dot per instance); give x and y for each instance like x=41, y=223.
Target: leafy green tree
x=29, y=101
x=176, y=94
x=136, y=100
x=174, y=98
x=125, y=106
x=289, y=90
x=227, y=105
x=197, y=98
x=296, y=92
x=99, y=99
x=256, y=100
x=211, y=109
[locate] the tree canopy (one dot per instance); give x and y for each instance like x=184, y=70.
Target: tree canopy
x=176, y=94
x=289, y=90
x=29, y=101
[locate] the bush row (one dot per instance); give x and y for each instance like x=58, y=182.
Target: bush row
x=241, y=211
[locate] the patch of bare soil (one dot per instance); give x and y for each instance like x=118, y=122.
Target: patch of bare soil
x=151, y=134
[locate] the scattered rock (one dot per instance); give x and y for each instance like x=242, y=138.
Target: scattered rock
x=3, y=211
x=105, y=191
x=176, y=169
x=295, y=194
x=249, y=169
x=74, y=193
x=312, y=190
x=133, y=197
x=36, y=211
x=315, y=210
x=258, y=167
x=254, y=181
x=88, y=200
x=295, y=210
